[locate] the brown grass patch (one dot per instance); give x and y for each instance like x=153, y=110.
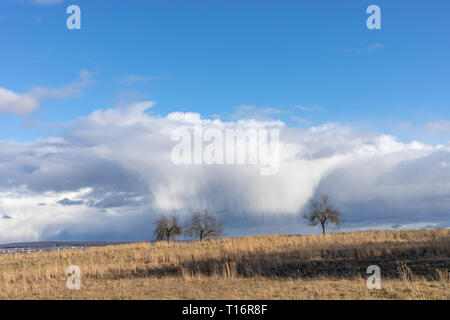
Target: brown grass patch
x=414, y=265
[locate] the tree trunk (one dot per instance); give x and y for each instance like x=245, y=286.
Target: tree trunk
x=323, y=228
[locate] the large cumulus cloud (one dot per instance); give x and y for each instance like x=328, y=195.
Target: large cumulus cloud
x=109, y=174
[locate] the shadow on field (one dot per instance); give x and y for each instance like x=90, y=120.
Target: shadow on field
x=423, y=260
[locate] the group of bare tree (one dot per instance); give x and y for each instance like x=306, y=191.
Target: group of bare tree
x=201, y=225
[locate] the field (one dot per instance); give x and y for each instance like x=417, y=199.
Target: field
x=414, y=265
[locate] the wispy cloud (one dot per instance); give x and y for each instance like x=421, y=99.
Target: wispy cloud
x=440, y=126
x=257, y=113
x=46, y=2
x=300, y=120
x=135, y=78
x=370, y=48
x=373, y=47
x=404, y=126
x=16, y=103
x=24, y=103
x=308, y=108
x=73, y=89
x=270, y=113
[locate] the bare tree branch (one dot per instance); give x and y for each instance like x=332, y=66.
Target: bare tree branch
x=167, y=228
x=204, y=225
x=323, y=212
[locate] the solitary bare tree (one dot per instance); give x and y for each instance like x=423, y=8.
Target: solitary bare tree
x=167, y=228
x=323, y=212
x=204, y=225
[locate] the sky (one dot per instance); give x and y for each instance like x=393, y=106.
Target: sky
x=86, y=116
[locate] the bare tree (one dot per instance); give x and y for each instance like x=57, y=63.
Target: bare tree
x=323, y=212
x=167, y=228
x=204, y=225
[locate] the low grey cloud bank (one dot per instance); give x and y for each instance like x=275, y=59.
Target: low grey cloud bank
x=110, y=174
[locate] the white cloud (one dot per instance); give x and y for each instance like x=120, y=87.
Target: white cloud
x=24, y=103
x=111, y=173
x=46, y=2
x=440, y=126
x=300, y=120
x=73, y=89
x=16, y=103
x=307, y=108
x=368, y=49
x=256, y=113
x=133, y=78
x=373, y=47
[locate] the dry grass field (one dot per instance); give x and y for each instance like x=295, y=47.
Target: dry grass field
x=414, y=265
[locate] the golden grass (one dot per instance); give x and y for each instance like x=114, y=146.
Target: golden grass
x=414, y=265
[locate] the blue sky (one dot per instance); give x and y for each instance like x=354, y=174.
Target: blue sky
x=86, y=115
x=214, y=56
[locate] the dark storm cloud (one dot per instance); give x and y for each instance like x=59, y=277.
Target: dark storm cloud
x=68, y=202
x=110, y=174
